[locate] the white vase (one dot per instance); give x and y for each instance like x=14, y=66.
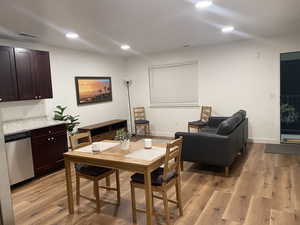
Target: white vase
x=125, y=144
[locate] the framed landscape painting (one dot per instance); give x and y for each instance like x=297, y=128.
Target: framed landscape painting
x=93, y=89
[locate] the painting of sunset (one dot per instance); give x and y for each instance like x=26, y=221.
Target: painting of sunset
x=93, y=89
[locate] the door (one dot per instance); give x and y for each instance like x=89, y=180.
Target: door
x=8, y=84
x=42, y=74
x=290, y=97
x=25, y=76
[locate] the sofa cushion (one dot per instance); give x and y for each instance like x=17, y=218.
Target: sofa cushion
x=210, y=130
x=228, y=125
x=242, y=113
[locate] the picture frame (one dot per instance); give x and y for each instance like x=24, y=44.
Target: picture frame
x=93, y=89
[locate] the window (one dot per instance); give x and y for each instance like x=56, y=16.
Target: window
x=174, y=85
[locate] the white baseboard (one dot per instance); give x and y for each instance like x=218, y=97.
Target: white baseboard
x=263, y=140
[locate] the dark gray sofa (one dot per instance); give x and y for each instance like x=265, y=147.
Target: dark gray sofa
x=219, y=143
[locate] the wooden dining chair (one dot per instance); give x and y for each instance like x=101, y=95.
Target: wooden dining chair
x=204, y=117
x=162, y=180
x=140, y=120
x=93, y=173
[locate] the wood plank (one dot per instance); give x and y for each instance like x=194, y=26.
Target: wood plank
x=194, y=207
x=284, y=218
x=235, y=223
x=212, y=213
x=295, y=171
x=259, y=211
x=237, y=208
x=281, y=195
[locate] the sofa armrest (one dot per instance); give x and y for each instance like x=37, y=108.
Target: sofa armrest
x=207, y=148
x=215, y=121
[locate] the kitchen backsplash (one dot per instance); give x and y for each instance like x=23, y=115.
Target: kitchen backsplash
x=23, y=110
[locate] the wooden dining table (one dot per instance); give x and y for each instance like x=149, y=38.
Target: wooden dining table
x=115, y=158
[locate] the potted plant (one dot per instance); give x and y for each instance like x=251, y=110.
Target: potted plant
x=288, y=114
x=124, y=137
x=71, y=121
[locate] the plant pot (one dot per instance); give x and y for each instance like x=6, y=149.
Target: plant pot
x=125, y=144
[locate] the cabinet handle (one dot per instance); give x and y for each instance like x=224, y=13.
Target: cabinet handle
x=1, y=99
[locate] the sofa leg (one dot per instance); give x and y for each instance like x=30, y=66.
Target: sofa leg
x=227, y=171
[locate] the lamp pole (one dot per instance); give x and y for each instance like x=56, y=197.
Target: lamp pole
x=128, y=82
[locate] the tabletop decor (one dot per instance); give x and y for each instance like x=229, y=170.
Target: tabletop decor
x=124, y=137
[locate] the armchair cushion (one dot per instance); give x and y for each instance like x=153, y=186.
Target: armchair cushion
x=156, y=177
x=198, y=123
x=91, y=170
x=141, y=121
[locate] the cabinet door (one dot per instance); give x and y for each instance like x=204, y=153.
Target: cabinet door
x=48, y=152
x=60, y=146
x=8, y=84
x=42, y=73
x=25, y=76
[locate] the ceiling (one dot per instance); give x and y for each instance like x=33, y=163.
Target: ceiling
x=146, y=25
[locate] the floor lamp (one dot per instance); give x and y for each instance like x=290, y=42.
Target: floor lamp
x=128, y=83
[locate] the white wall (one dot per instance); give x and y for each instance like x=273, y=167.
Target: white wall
x=65, y=65
x=232, y=76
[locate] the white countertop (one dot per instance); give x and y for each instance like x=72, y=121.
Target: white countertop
x=17, y=126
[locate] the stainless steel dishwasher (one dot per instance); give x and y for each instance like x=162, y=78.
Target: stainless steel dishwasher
x=19, y=157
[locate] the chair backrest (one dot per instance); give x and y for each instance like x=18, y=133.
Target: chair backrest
x=139, y=113
x=173, y=157
x=205, y=113
x=80, y=140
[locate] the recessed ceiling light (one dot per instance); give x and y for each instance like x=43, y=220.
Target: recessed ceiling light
x=203, y=4
x=125, y=47
x=227, y=29
x=72, y=35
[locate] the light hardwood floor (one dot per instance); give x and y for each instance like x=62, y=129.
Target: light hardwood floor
x=263, y=189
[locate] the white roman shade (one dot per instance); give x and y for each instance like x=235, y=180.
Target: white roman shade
x=174, y=85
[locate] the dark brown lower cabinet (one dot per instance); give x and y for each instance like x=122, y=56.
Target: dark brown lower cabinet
x=48, y=147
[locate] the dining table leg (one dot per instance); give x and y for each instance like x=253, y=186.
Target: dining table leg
x=69, y=186
x=148, y=193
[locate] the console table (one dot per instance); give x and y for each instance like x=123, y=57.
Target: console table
x=104, y=131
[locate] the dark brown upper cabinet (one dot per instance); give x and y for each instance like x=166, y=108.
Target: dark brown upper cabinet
x=25, y=74
x=42, y=73
x=8, y=78
x=33, y=74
